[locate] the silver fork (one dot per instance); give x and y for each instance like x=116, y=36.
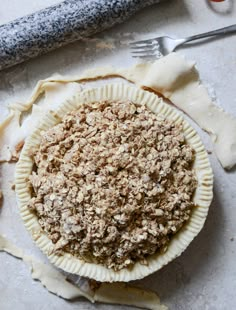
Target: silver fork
x=161, y=46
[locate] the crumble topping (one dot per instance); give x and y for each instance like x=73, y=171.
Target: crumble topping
x=113, y=182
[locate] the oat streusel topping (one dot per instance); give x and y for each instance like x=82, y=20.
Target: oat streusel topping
x=113, y=182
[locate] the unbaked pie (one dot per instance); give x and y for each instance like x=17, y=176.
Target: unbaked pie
x=114, y=184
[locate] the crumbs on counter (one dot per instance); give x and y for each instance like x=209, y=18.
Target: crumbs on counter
x=16, y=152
x=94, y=285
x=105, y=45
x=1, y=198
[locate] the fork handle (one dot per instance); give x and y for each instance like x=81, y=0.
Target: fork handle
x=221, y=31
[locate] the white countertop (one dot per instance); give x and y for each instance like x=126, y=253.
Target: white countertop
x=204, y=277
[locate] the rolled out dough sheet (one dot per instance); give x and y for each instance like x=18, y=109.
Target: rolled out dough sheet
x=172, y=77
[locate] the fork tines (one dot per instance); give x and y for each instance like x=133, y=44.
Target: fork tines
x=145, y=49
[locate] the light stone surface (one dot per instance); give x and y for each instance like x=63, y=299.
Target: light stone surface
x=204, y=277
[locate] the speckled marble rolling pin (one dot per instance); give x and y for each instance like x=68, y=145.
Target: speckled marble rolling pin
x=60, y=24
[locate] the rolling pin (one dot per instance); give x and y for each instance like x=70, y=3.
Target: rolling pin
x=60, y=24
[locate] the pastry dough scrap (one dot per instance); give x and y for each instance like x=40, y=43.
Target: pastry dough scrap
x=132, y=296
x=55, y=282
x=13, y=131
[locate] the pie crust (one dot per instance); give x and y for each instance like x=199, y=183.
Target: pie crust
x=179, y=242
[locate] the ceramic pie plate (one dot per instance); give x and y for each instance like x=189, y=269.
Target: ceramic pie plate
x=179, y=242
